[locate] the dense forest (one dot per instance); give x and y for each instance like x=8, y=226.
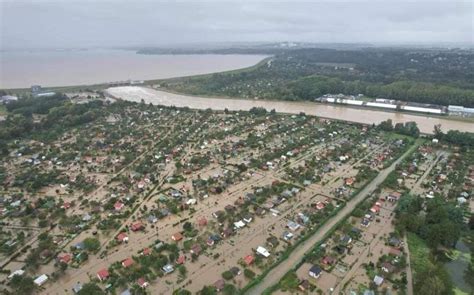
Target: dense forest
x=441, y=77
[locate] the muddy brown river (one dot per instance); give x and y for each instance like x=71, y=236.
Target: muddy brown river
x=359, y=115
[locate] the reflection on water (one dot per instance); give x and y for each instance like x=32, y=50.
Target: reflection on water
x=425, y=123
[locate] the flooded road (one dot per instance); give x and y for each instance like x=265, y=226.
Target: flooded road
x=366, y=116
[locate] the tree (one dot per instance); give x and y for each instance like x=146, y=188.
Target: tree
x=91, y=244
x=22, y=284
x=433, y=280
x=188, y=226
x=386, y=125
x=208, y=290
x=289, y=281
x=438, y=133
x=227, y=275
x=249, y=274
x=182, y=270
x=230, y=289
x=182, y=292
x=91, y=289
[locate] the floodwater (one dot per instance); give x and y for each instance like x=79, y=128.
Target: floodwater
x=359, y=115
x=457, y=267
x=21, y=69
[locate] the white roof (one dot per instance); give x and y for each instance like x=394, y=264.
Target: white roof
x=191, y=202
x=378, y=280
x=424, y=110
x=381, y=105
x=460, y=109
x=18, y=272
x=262, y=251
x=462, y=200
x=9, y=97
x=41, y=280
x=239, y=224
x=353, y=102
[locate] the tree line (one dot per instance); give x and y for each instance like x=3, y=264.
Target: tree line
x=430, y=77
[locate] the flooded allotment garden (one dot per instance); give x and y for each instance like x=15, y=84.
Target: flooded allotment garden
x=159, y=199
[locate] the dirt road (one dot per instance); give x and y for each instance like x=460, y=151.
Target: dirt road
x=274, y=276
x=409, y=272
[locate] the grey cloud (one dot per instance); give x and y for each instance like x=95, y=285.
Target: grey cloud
x=63, y=23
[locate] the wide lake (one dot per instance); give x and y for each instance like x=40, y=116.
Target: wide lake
x=21, y=69
x=359, y=115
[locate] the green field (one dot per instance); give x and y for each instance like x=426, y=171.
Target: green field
x=419, y=253
x=3, y=110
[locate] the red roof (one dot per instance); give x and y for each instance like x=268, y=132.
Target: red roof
x=375, y=209
x=320, y=205
x=127, y=262
x=181, y=259
x=146, y=251
x=65, y=258
x=249, y=259
x=202, y=221
x=395, y=252
x=177, y=237
x=142, y=283
x=103, y=274
x=137, y=226
x=196, y=249
x=122, y=237
x=349, y=181
x=327, y=260
x=118, y=206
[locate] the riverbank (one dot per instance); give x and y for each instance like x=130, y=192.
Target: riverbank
x=445, y=117
x=334, y=112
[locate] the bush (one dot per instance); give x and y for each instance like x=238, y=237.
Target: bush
x=227, y=275
x=249, y=274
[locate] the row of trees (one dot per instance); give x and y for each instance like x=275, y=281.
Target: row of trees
x=409, y=128
x=465, y=139
x=311, y=87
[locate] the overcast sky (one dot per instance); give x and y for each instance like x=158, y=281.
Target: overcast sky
x=63, y=23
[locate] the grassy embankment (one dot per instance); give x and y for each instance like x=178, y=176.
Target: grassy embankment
x=3, y=110
x=419, y=253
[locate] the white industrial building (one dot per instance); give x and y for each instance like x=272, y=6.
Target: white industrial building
x=382, y=105
x=423, y=110
x=460, y=110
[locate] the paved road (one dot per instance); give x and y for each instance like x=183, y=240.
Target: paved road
x=274, y=276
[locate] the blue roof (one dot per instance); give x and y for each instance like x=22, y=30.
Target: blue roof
x=315, y=269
